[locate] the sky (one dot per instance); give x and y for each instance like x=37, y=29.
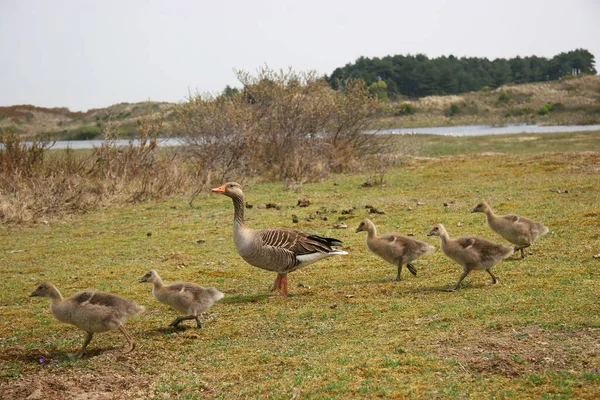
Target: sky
x=85, y=54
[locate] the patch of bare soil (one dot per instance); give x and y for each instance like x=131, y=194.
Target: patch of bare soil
x=526, y=351
x=76, y=386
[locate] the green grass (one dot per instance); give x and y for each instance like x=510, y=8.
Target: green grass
x=355, y=333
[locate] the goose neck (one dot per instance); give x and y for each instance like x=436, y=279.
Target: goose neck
x=157, y=283
x=371, y=231
x=238, y=205
x=55, y=295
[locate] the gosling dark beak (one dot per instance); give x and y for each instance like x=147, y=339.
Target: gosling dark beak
x=430, y=233
x=32, y=294
x=142, y=279
x=357, y=230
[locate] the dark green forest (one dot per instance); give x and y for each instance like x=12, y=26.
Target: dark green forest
x=393, y=77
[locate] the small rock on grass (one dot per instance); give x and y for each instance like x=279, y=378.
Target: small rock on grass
x=340, y=226
x=597, y=256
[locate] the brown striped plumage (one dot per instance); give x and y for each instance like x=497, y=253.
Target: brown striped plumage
x=277, y=249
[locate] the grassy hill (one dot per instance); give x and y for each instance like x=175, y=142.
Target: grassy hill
x=570, y=101
x=28, y=120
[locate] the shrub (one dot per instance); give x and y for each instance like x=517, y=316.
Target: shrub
x=85, y=132
x=504, y=97
x=405, y=109
x=518, y=112
x=281, y=126
x=545, y=109
x=454, y=109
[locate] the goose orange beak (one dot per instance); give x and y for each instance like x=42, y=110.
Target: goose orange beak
x=220, y=189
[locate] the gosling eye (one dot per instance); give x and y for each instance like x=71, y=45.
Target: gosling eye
x=231, y=185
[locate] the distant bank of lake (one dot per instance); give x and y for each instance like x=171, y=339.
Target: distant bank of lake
x=466, y=130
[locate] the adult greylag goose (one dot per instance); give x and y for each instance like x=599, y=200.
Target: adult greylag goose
x=276, y=249
x=514, y=228
x=186, y=297
x=472, y=253
x=393, y=248
x=92, y=312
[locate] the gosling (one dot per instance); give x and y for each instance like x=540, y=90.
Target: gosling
x=395, y=249
x=92, y=312
x=516, y=229
x=185, y=297
x=471, y=252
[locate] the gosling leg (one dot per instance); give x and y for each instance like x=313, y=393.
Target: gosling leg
x=198, y=324
x=517, y=248
x=128, y=337
x=495, y=279
x=178, y=320
x=399, y=271
x=412, y=269
x=88, y=338
x=457, y=286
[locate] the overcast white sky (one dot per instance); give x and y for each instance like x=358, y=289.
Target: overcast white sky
x=86, y=54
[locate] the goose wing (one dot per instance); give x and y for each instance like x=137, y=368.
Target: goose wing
x=297, y=242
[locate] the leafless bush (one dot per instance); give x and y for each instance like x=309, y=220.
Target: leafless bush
x=281, y=126
x=36, y=184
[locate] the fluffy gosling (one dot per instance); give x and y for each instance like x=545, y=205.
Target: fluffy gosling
x=472, y=253
x=514, y=228
x=92, y=312
x=393, y=248
x=185, y=297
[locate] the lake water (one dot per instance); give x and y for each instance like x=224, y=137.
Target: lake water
x=90, y=144
x=466, y=130
x=482, y=130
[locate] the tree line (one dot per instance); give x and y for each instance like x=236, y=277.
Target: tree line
x=392, y=77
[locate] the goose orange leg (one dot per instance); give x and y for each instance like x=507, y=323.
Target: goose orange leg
x=277, y=284
x=284, y=283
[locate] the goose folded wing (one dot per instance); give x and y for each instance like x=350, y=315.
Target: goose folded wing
x=296, y=242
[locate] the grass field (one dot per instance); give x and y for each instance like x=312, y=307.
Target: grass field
x=354, y=333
